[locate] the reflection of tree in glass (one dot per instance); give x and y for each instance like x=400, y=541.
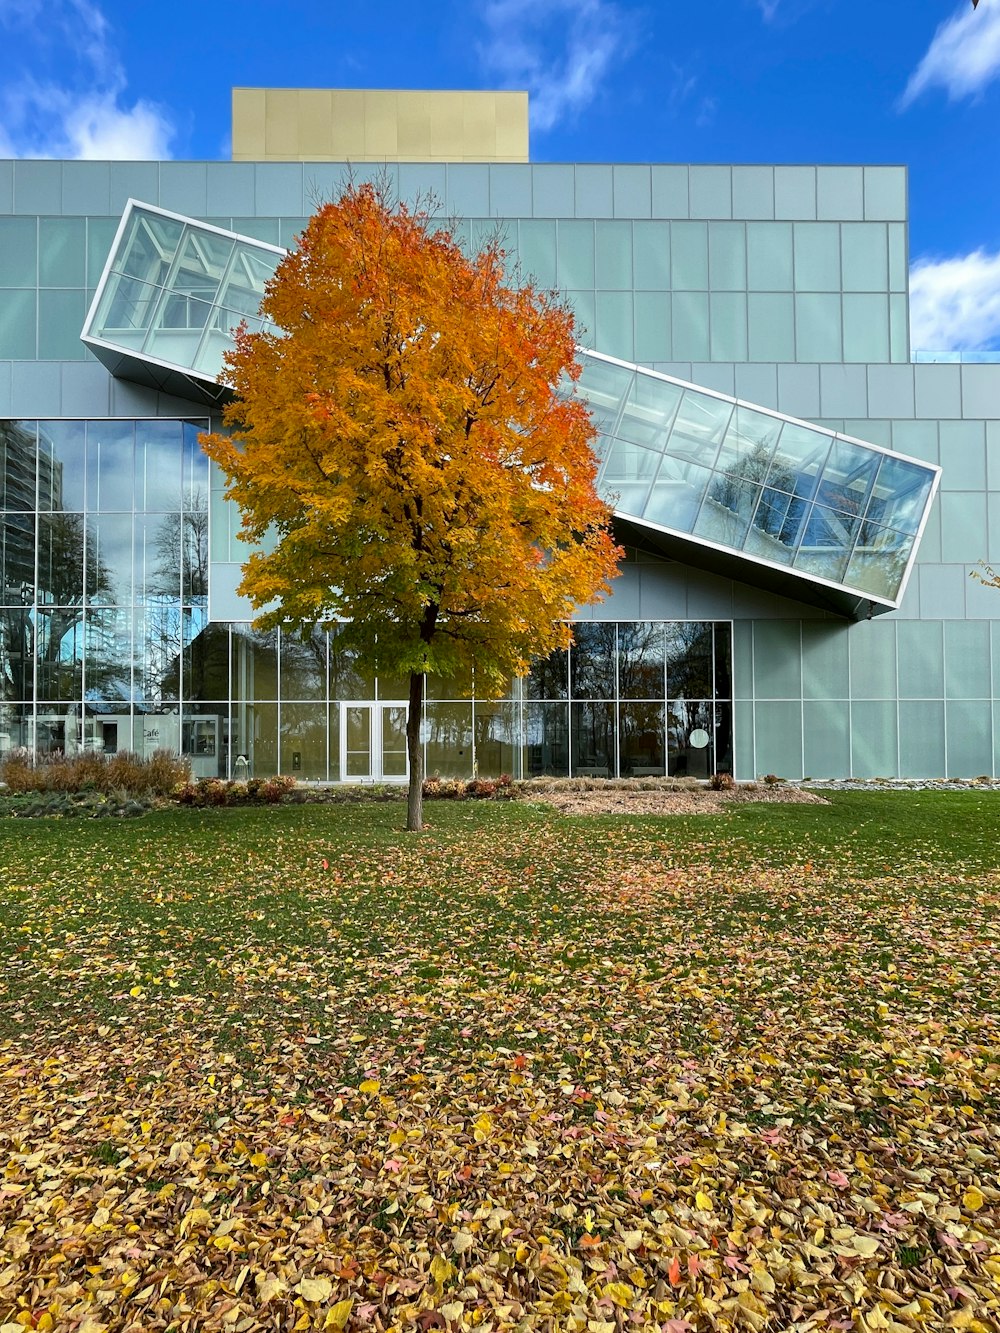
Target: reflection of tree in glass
x=689, y=660
x=640, y=660
x=181, y=545
x=737, y=488
x=70, y=572
x=592, y=660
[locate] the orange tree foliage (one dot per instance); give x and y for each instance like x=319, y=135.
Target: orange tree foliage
x=404, y=446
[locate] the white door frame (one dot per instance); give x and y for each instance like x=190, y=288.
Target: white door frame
x=376, y=714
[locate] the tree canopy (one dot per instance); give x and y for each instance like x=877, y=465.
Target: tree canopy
x=404, y=446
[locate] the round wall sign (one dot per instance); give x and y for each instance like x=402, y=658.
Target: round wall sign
x=698, y=739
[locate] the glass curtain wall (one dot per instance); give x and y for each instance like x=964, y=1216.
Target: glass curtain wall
x=105, y=645
x=104, y=588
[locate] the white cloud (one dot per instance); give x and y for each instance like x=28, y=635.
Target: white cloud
x=955, y=303
x=964, y=55
x=75, y=105
x=559, y=50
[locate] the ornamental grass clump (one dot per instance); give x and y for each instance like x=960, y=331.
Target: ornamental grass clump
x=159, y=775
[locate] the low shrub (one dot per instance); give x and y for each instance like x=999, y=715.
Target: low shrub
x=721, y=782
x=217, y=792
x=159, y=775
x=473, y=789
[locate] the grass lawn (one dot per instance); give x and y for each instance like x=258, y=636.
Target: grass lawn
x=295, y=1069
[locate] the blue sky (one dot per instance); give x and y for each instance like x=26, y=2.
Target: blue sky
x=611, y=80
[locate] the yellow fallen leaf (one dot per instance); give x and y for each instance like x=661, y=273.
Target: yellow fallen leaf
x=462, y=1242
x=315, y=1288
x=441, y=1268
x=973, y=1199
x=197, y=1217
x=866, y=1246
x=702, y=1201
x=258, y=1160
x=338, y=1315
x=453, y=1310
x=369, y=1085
x=619, y=1292
x=268, y=1288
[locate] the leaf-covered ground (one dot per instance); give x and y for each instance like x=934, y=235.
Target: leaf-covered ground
x=292, y=1069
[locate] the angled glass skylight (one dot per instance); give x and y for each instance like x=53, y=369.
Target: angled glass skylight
x=763, y=497
x=171, y=294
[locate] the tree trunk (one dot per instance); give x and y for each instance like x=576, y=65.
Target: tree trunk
x=415, y=754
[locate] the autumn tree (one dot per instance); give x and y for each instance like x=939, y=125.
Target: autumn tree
x=408, y=443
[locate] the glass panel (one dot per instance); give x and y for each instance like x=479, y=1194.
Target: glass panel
x=627, y=475
x=970, y=739
x=699, y=427
x=817, y=326
x=255, y=664
x=61, y=470
x=158, y=454
x=864, y=253
x=109, y=559
x=537, y=251
x=649, y=411
x=677, y=494
x=592, y=660
x=614, y=255
x=60, y=558
x=303, y=741
x=778, y=737
x=206, y=656
x=202, y=740
x=604, y=385
x=866, y=328
x=769, y=256
x=593, y=740
x=348, y=678
x=60, y=319
x=62, y=260
x=195, y=479
x=921, y=661
x=827, y=539
x=18, y=252
x=690, y=739
x=546, y=740
x=653, y=327
x=357, y=722
x=108, y=655
x=448, y=729
x=548, y=677
x=497, y=736
x=771, y=320
x=847, y=477
x=576, y=254
x=921, y=739
x=642, y=740
x=109, y=465
x=689, y=326
x=640, y=660
x=728, y=316
x=255, y=734
x=651, y=249
x=879, y=560
x=126, y=311
x=817, y=256
x=826, y=739
x=614, y=314
x=727, y=263
x=17, y=532
x=689, y=660
x=689, y=256
x=60, y=652
x=18, y=322
x=303, y=664
x=873, y=740
x=18, y=454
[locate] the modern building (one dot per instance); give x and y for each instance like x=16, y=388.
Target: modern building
x=801, y=503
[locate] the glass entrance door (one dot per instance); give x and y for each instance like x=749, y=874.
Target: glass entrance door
x=373, y=742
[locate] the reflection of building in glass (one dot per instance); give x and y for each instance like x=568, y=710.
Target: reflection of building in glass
x=799, y=502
